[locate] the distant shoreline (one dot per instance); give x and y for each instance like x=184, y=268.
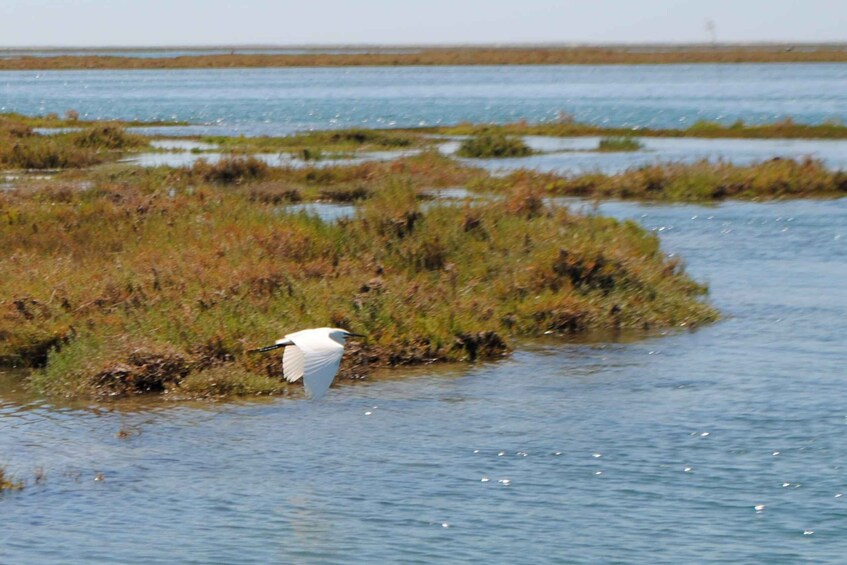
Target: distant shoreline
x=341, y=56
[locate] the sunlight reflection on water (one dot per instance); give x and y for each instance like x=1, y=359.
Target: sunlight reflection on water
x=280, y=101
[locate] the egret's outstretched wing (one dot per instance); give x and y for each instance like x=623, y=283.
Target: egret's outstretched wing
x=292, y=363
x=320, y=371
x=320, y=358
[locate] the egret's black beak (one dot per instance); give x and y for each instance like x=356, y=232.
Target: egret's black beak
x=267, y=348
x=351, y=334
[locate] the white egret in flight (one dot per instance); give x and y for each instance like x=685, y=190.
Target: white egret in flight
x=314, y=355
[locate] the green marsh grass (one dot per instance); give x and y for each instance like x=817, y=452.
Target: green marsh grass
x=784, y=129
x=311, y=143
x=349, y=183
x=121, y=280
x=142, y=286
x=231, y=170
x=22, y=148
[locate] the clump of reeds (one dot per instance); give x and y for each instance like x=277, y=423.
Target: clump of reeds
x=377, y=138
x=231, y=170
x=309, y=154
x=44, y=152
x=274, y=193
x=493, y=143
x=622, y=143
x=107, y=137
x=11, y=128
x=21, y=148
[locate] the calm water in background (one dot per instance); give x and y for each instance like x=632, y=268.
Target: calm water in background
x=278, y=101
x=649, y=451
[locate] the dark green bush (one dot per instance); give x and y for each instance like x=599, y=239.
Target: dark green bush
x=493, y=144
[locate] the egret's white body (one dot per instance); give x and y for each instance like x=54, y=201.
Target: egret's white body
x=313, y=355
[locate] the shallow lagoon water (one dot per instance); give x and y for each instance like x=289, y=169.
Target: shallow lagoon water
x=279, y=101
x=575, y=155
x=187, y=159
x=326, y=211
x=657, y=450
x=565, y=155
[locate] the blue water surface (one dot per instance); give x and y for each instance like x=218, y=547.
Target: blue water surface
x=279, y=101
x=725, y=443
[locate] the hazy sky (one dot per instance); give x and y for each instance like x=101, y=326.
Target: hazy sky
x=288, y=22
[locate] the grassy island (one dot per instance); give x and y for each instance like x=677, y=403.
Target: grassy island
x=408, y=56
x=325, y=141
x=121, y=280
x=151, y=283
x=22, y=148
x=703, y=181
x=124, y=289
x=567, y=126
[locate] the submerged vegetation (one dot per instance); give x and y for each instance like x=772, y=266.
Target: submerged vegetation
x=697, y=182
x=553, y=55
x=9, y=483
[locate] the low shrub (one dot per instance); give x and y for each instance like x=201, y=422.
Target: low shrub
x=623, y=143
x=493, y=144
x=45, y=152
x=107, y=137
x=231, y=170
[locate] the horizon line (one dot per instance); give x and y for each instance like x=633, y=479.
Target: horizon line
x=480, y=45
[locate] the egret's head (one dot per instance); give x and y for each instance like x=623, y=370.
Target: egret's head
x=340, y=336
